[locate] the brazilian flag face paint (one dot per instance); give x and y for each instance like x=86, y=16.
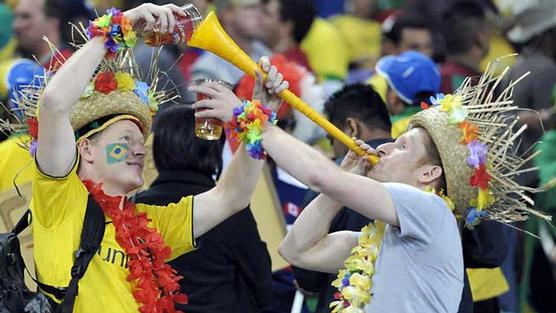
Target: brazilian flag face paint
x=116, y=153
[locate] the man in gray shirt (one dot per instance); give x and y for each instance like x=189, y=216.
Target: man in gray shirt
x=416, y=265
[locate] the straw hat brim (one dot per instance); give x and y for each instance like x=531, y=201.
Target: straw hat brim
x=100, y=105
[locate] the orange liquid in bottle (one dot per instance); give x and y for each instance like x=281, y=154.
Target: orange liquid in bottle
x=181, y=34
x=185, y=26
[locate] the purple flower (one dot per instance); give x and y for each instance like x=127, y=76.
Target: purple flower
x=113, y=11
x=111, y=45
x=33, y=148
x=478, y=153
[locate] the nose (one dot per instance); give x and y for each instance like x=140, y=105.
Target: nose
x=138, y=149
x=384, y=149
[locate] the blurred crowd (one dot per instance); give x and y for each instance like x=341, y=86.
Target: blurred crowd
x=333, y=52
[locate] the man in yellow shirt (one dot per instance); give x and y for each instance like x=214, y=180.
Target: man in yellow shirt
x=93, y=117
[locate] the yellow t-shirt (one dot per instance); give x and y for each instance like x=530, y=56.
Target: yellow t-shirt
x=486, y=283
x=326, y=50
x=13, y=160
x=362, y=38
x=58, y=206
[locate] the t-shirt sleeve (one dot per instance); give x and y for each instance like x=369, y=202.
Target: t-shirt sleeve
x=420, y=213
x=175, y=224
x=55, y=198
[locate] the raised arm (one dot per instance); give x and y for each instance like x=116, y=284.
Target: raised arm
x=309, y=245
x=237, y=183
x=362, y=194
x=56, y=151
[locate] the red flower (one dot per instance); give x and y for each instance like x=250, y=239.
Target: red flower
x=33, y=124
x=106, y=82
x=424, y=105
x=480, y=178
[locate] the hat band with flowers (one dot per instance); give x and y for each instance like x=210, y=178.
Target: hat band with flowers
x=476, y=135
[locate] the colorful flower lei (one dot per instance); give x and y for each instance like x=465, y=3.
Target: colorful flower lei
x=354, y=283
x=478, y=158
x=156, y=283
x=107, y=82
x=247, y=125
x=116, y=29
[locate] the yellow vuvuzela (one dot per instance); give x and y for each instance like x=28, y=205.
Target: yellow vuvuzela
x=210, y=36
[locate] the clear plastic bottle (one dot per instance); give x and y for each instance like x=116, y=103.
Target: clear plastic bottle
x=185, y=26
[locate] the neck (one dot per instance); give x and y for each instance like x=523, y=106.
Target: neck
x=107, y=188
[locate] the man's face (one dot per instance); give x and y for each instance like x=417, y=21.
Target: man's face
x=118, y=156
x=30, y=24
x=401, y=160
x=419, y=39
x=248, y=20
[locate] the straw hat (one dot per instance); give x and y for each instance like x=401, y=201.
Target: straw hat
x=476, y=135
x=116, y=92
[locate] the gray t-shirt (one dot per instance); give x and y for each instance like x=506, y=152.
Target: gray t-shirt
x=420, y=265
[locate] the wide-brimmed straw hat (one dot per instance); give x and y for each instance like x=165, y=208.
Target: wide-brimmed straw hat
x=116, y=92
x=476, y=134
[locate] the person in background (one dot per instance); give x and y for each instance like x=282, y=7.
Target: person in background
x=230, y=270
x=400, y=33
x=404, y=32
x=328, y=54
x=359, y=111
x=242, y=20
x=467, y=39
x=412, y=78
x=35, y=19
x=16, y=161
x=361, y=32
x=535, y=31
x=286, y=23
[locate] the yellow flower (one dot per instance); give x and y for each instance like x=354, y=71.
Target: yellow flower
x=484, y=200
x=125, y=81
x=358, y=280
x=355, y=295
x=352, y=309
x=338, y=281
x=449, y=103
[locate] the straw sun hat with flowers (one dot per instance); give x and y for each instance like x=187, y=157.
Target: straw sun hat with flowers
x=476, y=134
x=117, y=91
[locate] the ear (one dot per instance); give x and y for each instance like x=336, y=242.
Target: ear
x=427, y=174
x=84, y=148
x=352, y=128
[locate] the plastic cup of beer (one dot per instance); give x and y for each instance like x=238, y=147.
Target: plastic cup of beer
x=208, y=128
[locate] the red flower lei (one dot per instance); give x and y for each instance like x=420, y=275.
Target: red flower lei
x=33, y=125
x=156, y=283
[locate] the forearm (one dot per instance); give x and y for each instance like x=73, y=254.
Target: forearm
x=310, y=227
x=56, y=143
x=67, y=85
x=297, y=158
x=239, y=179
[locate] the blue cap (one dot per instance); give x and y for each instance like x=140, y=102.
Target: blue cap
x=409, y=74
x=23, y=73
